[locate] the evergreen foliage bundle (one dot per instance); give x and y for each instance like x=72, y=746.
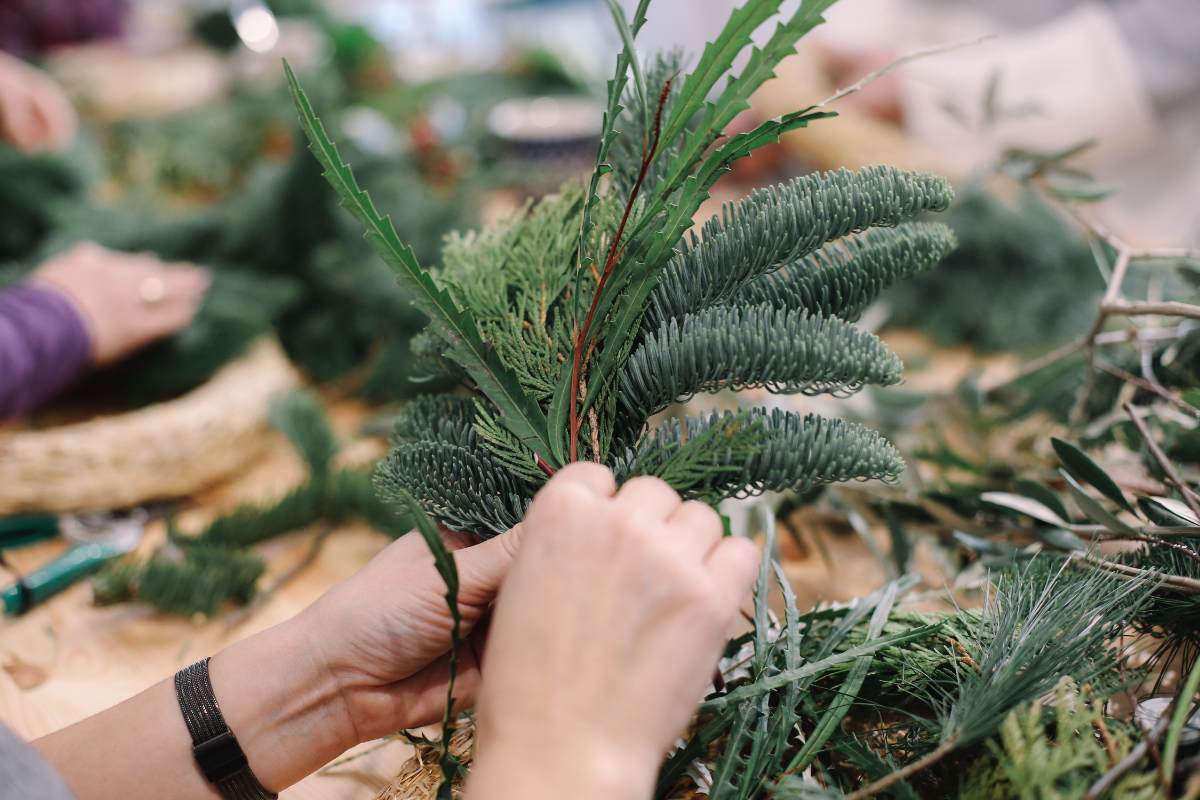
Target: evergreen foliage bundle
x=577, y=320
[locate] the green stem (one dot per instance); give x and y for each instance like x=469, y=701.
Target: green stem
x=1183, y=710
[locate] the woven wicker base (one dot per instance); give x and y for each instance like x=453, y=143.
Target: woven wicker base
x=418, y=779
x=168, y=449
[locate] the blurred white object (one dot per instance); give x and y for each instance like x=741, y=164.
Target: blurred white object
x=299, y=41
x=541, y=120
x=256, y=26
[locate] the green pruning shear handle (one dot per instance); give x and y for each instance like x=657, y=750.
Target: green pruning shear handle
x=96, y=538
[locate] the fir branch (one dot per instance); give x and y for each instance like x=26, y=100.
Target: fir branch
x=465, y=488
x=789, y=452
x=437, y=417
x=183, y=578
x=745, y=347
x=299, y=416
x=843, y=278
x=782, y=224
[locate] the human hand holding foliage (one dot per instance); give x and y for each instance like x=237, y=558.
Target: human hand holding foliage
x=604, y=637
x=384, y=635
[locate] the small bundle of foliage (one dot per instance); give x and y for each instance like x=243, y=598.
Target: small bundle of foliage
x=898, y=698
x=198, y=573
x=1020, y=279
x=578, y=320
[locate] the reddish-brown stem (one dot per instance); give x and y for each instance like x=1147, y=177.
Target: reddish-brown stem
x=610, y=262
x=543, y=466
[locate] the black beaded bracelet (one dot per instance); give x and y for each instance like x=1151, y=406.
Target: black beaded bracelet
x=214, y=746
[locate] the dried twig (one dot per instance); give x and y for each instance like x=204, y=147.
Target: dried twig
x=1189, y=497
x=1176, y=583
x=1155, y=388
x=899, y=62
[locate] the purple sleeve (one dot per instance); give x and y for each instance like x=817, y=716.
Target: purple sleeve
x=44, y=346
x=30, y=27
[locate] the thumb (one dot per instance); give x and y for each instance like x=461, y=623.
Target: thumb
x=482, y=567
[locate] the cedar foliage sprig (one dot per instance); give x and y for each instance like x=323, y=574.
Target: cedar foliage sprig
x=577, y=320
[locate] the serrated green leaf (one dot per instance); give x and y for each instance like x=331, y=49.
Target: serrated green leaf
x=519, y=413
x=632, y=293
x=1083, y=468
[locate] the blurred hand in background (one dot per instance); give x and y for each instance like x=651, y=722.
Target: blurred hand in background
x=126, y=300
x=35, y=115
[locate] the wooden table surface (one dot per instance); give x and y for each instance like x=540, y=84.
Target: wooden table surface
x=67, y=659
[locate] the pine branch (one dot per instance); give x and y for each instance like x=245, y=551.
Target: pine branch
x=747, y=347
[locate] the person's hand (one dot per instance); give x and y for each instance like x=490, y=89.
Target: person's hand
x=367, y=659
x=126, y=300
x=35, y=115
x=604, y=637
x=384, y=634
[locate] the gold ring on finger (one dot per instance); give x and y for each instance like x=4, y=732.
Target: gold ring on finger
x=153, y=290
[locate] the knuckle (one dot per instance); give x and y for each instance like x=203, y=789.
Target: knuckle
x=701, y=514
x=580, y=470
x=560, y=497
x=648, y=483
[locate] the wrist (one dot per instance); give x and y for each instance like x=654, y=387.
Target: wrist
x=284, y=707
x=502, y=771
